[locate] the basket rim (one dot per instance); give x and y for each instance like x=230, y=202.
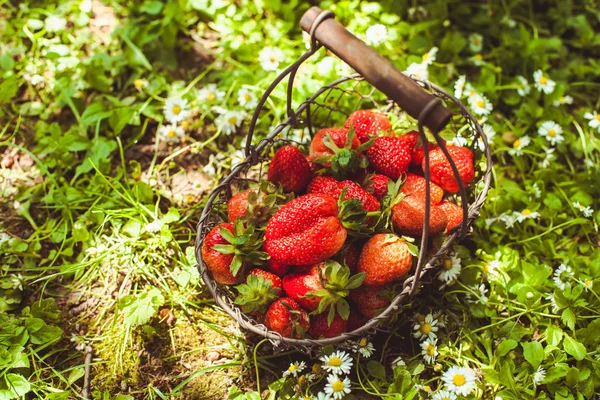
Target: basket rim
x=371, y=325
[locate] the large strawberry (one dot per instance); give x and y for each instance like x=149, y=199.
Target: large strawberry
x=319, y=146
x=453, y=212
x=389, y=156
x=319, y=326
x=255, y=205
x=367, y=123
x=411, y=138
x=376, y=184
x=408, y=217
x=260, y=289
x=227, y=247
x=323, y=287
x=330, y=186
x=441, y=171
x=237, y=204
x=290, y=169
x=340, y=151
x=385, y=258
x=277, y=268
x=370, y=300
x=415, y=184
x=286, y=317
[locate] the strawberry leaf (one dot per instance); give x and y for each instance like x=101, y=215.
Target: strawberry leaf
x=343, y=308
x=224, y=248
x=235, y=265
x=356, y=280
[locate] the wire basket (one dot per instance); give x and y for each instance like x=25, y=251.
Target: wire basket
x=377, y=86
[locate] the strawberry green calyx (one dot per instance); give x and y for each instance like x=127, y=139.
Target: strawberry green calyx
x=256, y=294
x=393, y=197
x=244, y=244
x=354, y=217
x=263, y=202
x=337, y=283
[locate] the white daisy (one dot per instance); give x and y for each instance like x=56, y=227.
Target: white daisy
x=524, y=87
x=460, y=380
x=477, y=59
x=586, y=211
x=539, y=376
x=563, y=100
x=295, y=368
x=475, y=42
x=489, y=131
x=247, y=99
x=210, y=94
x=545, y=163
x=337, y=387
x=376, y=34
x=214, y=162
x=551, y=131
x=175, y=109
x=398, y=362
x=508, y=219
x=561, y=274
x=237, y=157
x=338, y=362
x=322, y=396
x=594, y=118
x=440, y=317
x=519, y=145
x=470, y=91
x=459, y=141
x=154, y=226
x=542, y=82
x=430, y=56
x=459, y=86
x=451, y=268
x=171, y=133
x=426, y=329
x=418, y=71
x=443, y=395
x=493, y=269
x=480, y=104
x=429, y=350
x=229, y=121
x=365, y=348
x=481, y=293
x=140, y=84
x=526, y=214
x=537, y=192
x=55, y=23
x=270, y=57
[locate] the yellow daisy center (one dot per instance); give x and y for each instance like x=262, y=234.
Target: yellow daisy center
x=551, y=132
x=517, y=143
x=363, y=342
x=139, y=83
x=335, y=362
x=292, y=368
x=588, y=283
x=430, y=350
x=562, y=100
x=189, y=198
x=425, y=328
x=447, y=264
x=426, y=57
x=445, y=398
x=211, y=97
x=185, y=124
x=427, y=388
x=481, y=103
x=459, y=380
x=526, y=212
x=316, y=368
x=337, y=386
x=476, y=41
x=543, y=80
x=478, y=57
x=172, y=134
x=247, y=97
x=597, y=117
x=176, y=110
x=301, y=380
x=272, y=59
x=233, y=121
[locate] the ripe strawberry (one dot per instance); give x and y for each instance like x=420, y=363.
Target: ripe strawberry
x=370, y=300
x=237, y=204
x=453, y=212
x=441, y=171
x=277, y=268
x=290, y=169
x=330, y=186
x=415, y=184
x=419, y=154
x=320, y=328
x=367, y=123
x=323, y=185
x=303, y=281
x=305, y=231
x=228, y=247
x=411, y=138
x=408, y=217
x=352, y=256
x=260, y=289
x=318, y=148
x=389, y=156
x=385, y=258
x=255, y=205
x=286, y=317
x=376, y=184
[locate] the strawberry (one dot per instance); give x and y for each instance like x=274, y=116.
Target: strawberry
x=351, y=257
x=320, y=328
x=260, y=289
x=441, y=171
x=408, y=217
x=228, y=247
x=286, y=317
x=376, y=184
x=338, y=136
x=323, y=287
x=367, y=123
x=290, y=169
x=370, y=300
x=415, y=184
x=330, y=186
x=453, y=212
x=237, y=204
x=411, y=138
x=255, y=205
x=277, y=268
x=385, y=258
x=389, y=156
x=339, y=150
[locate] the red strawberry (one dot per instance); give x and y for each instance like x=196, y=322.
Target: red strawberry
x=320, y=328
x=237, y=204
x=286, y=317
x=376, y=184
x=305, y=231
x=411, y=138
x=255, y=206
x=303, y=281
x=453, y=212
x=370, y=300
x=441, y=171
x=260, y=289
x=419, y=154
x=323, y=185
x=330, y=186
x=290, y=169
x=415, y=184
x=217, y=262
x=389, y=156
x=351, y=257
x=338, y=136
x=277, y=268
x=367, y=123
x=385, y=258
x=408, y=217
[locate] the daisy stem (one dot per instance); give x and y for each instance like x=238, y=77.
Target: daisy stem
x=256, y=363
x=565, y=224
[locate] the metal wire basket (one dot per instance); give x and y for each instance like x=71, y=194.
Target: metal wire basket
x=428, y=104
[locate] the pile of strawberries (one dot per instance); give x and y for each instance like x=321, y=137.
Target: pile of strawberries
x=317, y=248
